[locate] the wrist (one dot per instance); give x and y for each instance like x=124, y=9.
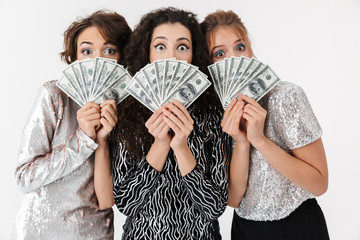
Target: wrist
x=162, y=144
x=259, y=142
x=241, y=140
x=180, y=147
x=102, y=142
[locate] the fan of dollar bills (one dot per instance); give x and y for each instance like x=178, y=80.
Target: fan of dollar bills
x=243, y=75
x=167, y=79
x=96, y=80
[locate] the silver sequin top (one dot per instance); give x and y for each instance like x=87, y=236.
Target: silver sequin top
x=290, y=124
x=56, y=172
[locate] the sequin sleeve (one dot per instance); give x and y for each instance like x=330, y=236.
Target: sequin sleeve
x=207, y=184
x=45, y=154
x=133, y=184
x=296, y=125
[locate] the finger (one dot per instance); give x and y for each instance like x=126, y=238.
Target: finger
x=184, y=117
x=230, y=107
x=251, y=112
x=111, y=102
x=164, y=129
x=238, y=118
x=174, y=119
x=172, y=125
x=109, y=110
x=231, y=112
x=255, y=111
x=183, y=109
x=159, y=131
x=249, y=100
x=92, y=124
x=89, y=105
x=109, y=118
x=153, y=125
x=90, y=117
x=86, y=110
x=257, y=108
x=153, y=117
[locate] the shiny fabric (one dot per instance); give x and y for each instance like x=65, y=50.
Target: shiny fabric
x=165, y=205
x=56, y=172
x=290, y=124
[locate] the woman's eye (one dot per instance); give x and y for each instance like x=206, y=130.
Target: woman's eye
x=110, y=51
x=219, y=53
x=240, y=47
x=86, y=51
x=183, y=48
x=160, y=47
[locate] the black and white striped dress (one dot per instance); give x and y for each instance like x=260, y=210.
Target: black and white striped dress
x=165, y=205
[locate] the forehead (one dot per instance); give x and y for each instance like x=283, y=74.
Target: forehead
x=90, y=33
x=171, y=30
x=223, y=34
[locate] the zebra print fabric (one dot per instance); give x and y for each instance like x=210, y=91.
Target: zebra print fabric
x=168, y=206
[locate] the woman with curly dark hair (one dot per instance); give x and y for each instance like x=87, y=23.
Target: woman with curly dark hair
x=170, y=170
x=64, y=163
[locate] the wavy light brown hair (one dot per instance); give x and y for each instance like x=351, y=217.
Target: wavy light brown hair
x=222, y=18
x=130, y=130
x=112, y=26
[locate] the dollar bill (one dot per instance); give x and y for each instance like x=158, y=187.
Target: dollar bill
x=66, y=86
x=70, y=75
x=116, y=91
x=191, y=89
x=260, y=84
x=91, y=80
x=138, y=93
x=235, y=75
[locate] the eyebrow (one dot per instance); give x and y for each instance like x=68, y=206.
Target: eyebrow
x=90, y=43
x=85, y=42
x=239, y=40
x=179, y=39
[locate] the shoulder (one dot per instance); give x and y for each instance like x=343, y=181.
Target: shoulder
x=51, y=91
x=284, y=94
x=50, y=96
x=286, y=90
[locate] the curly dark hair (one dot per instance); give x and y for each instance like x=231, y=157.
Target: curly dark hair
x=112, y=26
x=130, y=130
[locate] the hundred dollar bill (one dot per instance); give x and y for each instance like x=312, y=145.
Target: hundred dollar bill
x=213, y=74
x=67, y=87
x=151, y=81
x=87, y=72
x=180, y=69
x=97, y=68
x=159, y=71
x=169, y=70
x=250, y=67
x=115, y=91
x=70, y=75
x=181, y=74
x=260, y=84
x=240, y=65
x=190, y=89
x=80, y=81
x=139, y=94
x=220, y=70
x=102, y=80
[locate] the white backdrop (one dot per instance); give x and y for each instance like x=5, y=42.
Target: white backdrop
x=313, y=43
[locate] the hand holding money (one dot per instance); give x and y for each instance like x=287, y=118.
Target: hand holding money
x=167, y=79
x=97, y=79
x=88, y=118
x=243, y=75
